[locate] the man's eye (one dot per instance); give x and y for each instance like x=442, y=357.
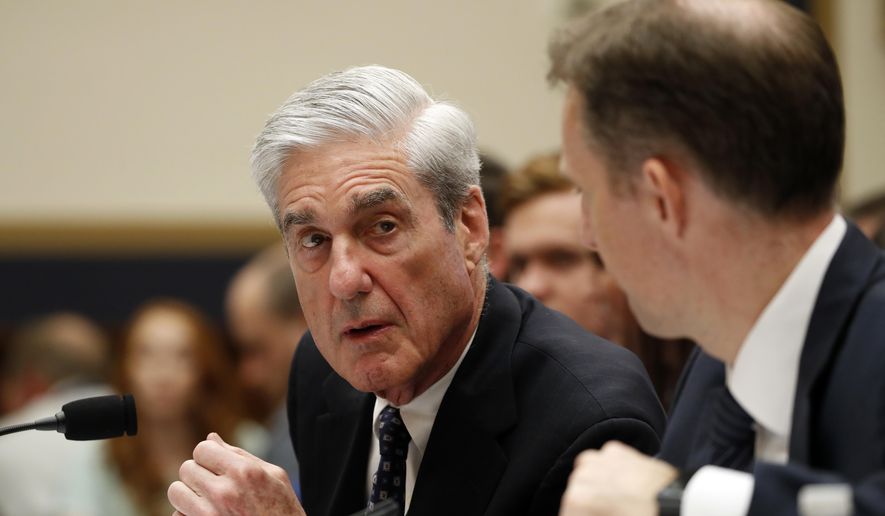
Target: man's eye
x=562, y=259
x=312, y=240
x=384, y=227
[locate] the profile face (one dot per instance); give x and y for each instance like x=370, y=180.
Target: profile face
x=162, y=366
x=614, y=223
x=385, y=287
x=546, y=258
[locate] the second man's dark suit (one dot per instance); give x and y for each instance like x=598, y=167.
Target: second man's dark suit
x=532, y=392
x=838, y=430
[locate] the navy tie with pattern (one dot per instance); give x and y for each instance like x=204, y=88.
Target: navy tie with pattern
x=389, y=482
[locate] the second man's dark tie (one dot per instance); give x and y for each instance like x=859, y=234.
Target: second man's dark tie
x=389, y=481
x=733, y=435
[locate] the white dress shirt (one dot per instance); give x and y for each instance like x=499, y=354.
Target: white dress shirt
x=763, y=379
x=418, y=416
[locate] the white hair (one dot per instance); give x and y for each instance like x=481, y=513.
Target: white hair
x=383, y=105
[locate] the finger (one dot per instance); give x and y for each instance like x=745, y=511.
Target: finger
x=585, y=457
x=196, y=477
x=185, y=501
x=239, y=451
x=213, y=457
x=615, y=446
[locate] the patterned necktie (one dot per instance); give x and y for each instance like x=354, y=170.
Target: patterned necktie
x=389, y=482
x=733, y=436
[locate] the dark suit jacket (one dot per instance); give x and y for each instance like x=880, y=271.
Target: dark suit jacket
x=532, y=392
x=838, y=432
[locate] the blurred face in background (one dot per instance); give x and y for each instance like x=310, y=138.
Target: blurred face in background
x=547, y=258
x=265, y=343
x=161, y=365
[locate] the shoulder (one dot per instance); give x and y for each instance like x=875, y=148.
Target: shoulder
x=553, y=354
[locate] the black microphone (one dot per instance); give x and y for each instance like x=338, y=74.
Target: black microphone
x=101, y=417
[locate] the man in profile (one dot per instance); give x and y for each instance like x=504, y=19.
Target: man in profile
x=707, y=137
x=422, y=380
x=264, y=315
x=542, y=228
x=542, y=223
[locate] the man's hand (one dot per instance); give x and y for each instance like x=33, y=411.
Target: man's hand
x=615, y=481
x=225, y=480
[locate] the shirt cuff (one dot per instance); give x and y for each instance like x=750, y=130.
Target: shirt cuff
x=720, y=491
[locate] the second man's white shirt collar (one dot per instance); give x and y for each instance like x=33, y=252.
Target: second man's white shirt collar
x=764, y=374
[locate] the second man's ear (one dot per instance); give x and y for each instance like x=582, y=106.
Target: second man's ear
x=663, y=187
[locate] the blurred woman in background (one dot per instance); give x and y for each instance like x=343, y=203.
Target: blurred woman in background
x=174, y=362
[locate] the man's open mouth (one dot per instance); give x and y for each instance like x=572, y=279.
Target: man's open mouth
x=365, y=329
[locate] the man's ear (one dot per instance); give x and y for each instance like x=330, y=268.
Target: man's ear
x=472, y=228
x=664, y=188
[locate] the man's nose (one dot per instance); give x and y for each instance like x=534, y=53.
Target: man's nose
x=533, y=280
x=347, y=277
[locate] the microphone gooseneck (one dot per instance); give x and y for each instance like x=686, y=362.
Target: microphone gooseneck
x=100, y=417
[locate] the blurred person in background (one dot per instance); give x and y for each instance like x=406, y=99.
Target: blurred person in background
x=869, y=215
x=265, y=318
x=542, y=227
x=492, y=175
x=51, y=361
x=174, y=363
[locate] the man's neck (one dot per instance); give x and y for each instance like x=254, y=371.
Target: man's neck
x=754, y=262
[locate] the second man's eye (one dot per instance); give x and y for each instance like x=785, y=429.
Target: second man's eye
x=312, y=240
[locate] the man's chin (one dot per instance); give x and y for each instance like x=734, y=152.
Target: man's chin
x=375, y=376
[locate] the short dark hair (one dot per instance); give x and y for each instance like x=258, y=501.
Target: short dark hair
x=756, y=104
x=539, y=176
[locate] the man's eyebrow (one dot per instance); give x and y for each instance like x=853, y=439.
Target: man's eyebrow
x=377, y=197
x=298, y=218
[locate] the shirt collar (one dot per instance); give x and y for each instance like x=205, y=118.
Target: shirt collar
x=764, y=374
x=420, y=413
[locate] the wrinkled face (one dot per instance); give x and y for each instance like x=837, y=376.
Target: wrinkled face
x=385, y=288
x=614, y=223
x=546, y=258
x=162, y=367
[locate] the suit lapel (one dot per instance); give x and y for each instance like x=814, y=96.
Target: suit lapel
x=343, y=440
x=463, y=460
x=843, y=284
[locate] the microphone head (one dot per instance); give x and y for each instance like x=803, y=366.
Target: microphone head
x=100, y=417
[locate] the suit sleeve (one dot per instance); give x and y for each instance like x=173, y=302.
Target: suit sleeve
x=634, y=432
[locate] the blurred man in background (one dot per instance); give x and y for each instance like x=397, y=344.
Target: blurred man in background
x=542, y=244
x=266, y=321
x=869, y=215
x=51, y=361
x=542, y=229
x=492, y=175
